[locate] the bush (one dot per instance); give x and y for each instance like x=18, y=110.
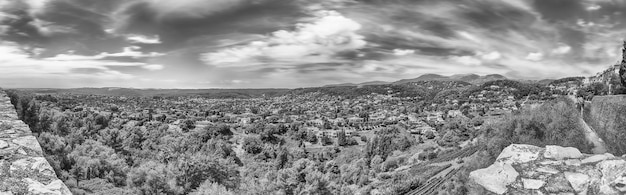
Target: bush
x=252, y=145
x=351, y=141
x=390, y=164
x=556, y=122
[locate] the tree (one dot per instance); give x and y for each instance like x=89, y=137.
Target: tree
x=191, y=170
x=94, y=160
x=151, y=178
x=311, y=137
x=187, y=125
x=134, y=139
x=208, y=187
x=376, y=163
x=252, y=145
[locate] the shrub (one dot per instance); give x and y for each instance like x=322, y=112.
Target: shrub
x=556, y=122
x=252, y=145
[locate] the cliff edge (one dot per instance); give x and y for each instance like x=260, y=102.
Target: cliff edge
x=528, y=169
x=23, y=169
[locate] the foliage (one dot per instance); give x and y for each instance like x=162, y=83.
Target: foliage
x=554, y=123
x=252, y=145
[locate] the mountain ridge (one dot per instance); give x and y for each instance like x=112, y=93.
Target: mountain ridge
x=470, y=78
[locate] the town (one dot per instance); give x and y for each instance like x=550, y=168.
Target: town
x=434, y=125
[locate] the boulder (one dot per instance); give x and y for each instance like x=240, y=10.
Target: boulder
x=597, y=158
x=557, y=183
x=519, y=153
x=620, y=184
x=532, y=184
x=522, y=169
x=495, y=178
x=558, y=152
x=572, y=162
x=613, y=172
x=579, y=181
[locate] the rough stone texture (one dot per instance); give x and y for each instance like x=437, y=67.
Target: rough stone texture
x=558, y=152
x=23, y=169
x=579, y=181
x=518, y=171
x=597, y=158
x=532, y=184
x=495, y=178
x=519, y=154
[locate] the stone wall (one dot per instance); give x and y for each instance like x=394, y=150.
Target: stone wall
x=527, y=169
x=23, y=169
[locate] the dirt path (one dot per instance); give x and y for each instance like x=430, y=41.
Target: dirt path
x=598, y=144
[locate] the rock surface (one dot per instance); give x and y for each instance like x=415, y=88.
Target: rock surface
x=23, y=169
x=496, y=177
x=527, y=169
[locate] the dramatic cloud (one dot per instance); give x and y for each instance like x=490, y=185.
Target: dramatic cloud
x=329, y=33
x=179, y=21
x=296, y=43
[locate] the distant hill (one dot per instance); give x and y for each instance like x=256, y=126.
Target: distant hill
x=341, y=85
x=131, y=92
x=577, y=80
x=374, y=83
x=425, y=77
x=359, y=84
x=470, y=78
x=465, y=77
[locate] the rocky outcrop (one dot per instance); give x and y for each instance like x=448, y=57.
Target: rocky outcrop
x=23, y=169
x=527, y=169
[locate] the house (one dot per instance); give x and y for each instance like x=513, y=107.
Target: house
x=454, y=113
x=245, y=120
x=356, y=120
x=435, y=117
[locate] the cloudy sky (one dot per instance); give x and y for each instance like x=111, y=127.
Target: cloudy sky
x=299, y=43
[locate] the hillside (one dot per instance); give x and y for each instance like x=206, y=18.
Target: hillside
x=605, y=114
x=469, y=78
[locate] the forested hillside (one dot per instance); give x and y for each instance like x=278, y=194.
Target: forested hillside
x=383, y=139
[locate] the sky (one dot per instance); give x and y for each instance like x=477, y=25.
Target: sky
x=299, y=43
